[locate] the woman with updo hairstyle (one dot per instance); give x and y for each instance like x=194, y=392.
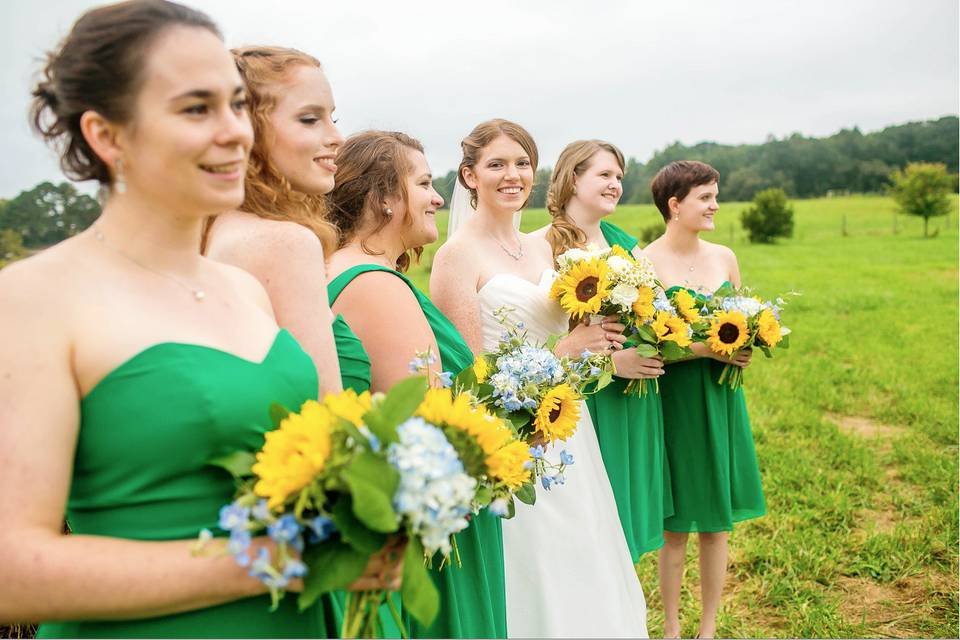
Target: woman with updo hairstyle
x=129, y=360
x=585, y=188
x=384, y=205
x=567, y=565
x=279, y=233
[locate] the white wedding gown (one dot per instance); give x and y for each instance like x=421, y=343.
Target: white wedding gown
x=567, y=566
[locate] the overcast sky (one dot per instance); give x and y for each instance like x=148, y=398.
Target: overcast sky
x=640, y=74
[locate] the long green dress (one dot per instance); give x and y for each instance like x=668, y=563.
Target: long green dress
x=140, y=470
x=355, y=374
x=472, y=599
x=630, y=431
x=713, y=462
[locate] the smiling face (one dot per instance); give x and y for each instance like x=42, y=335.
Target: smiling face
x=302, y=139
x=600, y=186
x=696, y=211
x=502, y=177
x=415, y=219
x=187, y=145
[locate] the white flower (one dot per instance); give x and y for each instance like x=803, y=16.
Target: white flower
x=623, y=295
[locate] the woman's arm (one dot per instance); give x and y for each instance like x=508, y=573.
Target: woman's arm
x=385, y=315
x=453, y=289
x=288, y=260
x=48, y=575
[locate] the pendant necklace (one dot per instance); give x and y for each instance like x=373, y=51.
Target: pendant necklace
x=198, y=294
x=515, y=256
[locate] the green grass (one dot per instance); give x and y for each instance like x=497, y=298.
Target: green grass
x=861, y=537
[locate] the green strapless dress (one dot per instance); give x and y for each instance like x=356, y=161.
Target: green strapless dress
x=713, y=462
x=630, y=432
x=355, y=374
x=140, y=471
x=472, y=600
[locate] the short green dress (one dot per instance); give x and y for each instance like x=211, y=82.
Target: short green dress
x=140, y=471
x=472, y=599
x=630, y=431
x=713, y=462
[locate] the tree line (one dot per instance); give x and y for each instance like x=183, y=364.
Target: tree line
x=804, y=167
x=848, y=161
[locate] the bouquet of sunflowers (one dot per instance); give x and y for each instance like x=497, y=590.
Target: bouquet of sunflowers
x=345, y=478
x=602, y=282
x=537, y=393
x=735, y=320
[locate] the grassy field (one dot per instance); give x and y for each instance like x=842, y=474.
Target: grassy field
x=856, y=430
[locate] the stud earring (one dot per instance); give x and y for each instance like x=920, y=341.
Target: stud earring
x=119, y=182
x=389, y=212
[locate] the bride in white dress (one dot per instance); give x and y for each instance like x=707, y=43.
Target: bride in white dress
x=567, y=567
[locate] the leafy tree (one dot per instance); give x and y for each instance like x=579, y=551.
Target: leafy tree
x=651, y=232
x=922, y=189
x=769, y=218
x=49, y=213
x=11, y=246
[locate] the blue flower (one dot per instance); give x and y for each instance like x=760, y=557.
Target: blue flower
x=372, y=440
x=537, y=452
x=261, y=512
x=238, y=545
x=445, y=378
x=260, y=568
x=520, y=325
x=566, y=458
x=559, y=478
x=595, y=371
x=286, y=529
x=546, y=481
x=233, y=516
x=321, y=528
x=294, y=569
x=499, y=507
x=586, y=354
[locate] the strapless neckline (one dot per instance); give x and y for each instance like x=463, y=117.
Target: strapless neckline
x=507, y=274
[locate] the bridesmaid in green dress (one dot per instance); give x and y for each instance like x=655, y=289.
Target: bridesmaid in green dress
x=584, y=188
x=384, y=206
x=128, y=359
x=713, y=464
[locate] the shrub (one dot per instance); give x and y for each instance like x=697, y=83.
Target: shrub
x=769, y=218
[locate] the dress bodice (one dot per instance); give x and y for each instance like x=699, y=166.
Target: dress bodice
x=529, y=303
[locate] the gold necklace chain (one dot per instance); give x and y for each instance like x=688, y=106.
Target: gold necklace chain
x=198, y=294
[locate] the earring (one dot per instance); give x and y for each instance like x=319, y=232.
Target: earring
x=119, y=182
x=389, y=212
x=676, y=217
x=574, y=191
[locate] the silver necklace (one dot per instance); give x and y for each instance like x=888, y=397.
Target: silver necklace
x=198, y=294
x=690, y=268
x=515, y=256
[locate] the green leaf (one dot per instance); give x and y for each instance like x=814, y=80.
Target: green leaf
x=671, y=351
x=511, y=509
x=646, y=333
x=238, y=463
x=400, y=403
x=483, y=496
x=353, y=531
x=332, y=565
x=527, y=494
x=765, y=349
x=645, y=350
x=605, y=379
x=373, y=482
x=418, y=593
x=466, y=379
x=277, y=414
x=552, y=341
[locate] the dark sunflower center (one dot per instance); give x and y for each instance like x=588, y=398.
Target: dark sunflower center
x=587, y=288
x=555, y=413
x=728, y=333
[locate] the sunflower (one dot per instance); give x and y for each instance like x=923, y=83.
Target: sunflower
x=348, y=405
x=728, y=332
x=669, y=327
x=558, y=413
x=643, y=306
x=686, y=305
x=768, y=328
x=617, y=250
x=581, y=290
x=481, y=369
x=502, y=459
x=294, y=454
x=509, y=464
